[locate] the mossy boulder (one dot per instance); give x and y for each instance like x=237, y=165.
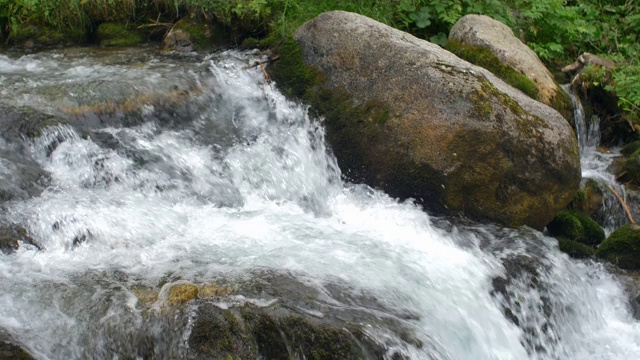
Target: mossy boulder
x=411, y=118
x=576, y=226
x=251, y=332
x=292, y=320
x=575, y=249
x=622, y=247
x=33, y=35
x=193, y=34
x=589, y=198
x=118, y=35
x=627, y=167
x=474, y=32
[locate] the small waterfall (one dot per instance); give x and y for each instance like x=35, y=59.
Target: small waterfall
x=595, y=164
x=588, y=132
x=239, y=181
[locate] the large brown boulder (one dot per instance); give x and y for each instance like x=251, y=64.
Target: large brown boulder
x=434, y=127
x=484, y=32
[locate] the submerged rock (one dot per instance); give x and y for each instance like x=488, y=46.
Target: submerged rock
x=20, y=178
x=294, y=324
x=482, y=32
x=407, y=116
x=622, y=247
x=251, y=332
x=22, y=122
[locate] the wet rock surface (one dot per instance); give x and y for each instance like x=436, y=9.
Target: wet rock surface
x=279, y=317
x=9, y=350
x=189, y=34
x=439, y=129
x=11, y=236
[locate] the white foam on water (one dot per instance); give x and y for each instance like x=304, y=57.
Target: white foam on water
x=165, y=202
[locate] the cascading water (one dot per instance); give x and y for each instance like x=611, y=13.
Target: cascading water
x=241, y=181
x=595, y=164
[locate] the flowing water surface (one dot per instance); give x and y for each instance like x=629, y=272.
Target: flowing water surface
x=240, y=179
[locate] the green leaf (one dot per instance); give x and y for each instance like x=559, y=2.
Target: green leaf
x=422, y=18
x=440, y=39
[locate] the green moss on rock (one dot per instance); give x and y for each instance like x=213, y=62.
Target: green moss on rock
x=349, y=138
x=10, y=351
x=588, y=199
x=319, y=343
x=34, y=35
x=204, y=36
x=117, y=35
x=562, y=103
x=292, y=74
x=576, y=226
x=575, y=249
x=631, y=148
x=484, y=58
x=219, y=334
x=622, y=247
x=628, y=168
x=251, y=332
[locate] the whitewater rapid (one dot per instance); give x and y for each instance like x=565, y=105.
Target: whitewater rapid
x=247, y=182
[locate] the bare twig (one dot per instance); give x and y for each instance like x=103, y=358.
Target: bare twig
x=267, y=78
x=621, y=175
x=623, y=203
x=261, y=63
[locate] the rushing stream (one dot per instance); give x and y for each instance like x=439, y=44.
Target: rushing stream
x=240, y=180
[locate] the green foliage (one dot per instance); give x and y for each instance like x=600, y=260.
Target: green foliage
x=626, y=85
x=432, y=19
